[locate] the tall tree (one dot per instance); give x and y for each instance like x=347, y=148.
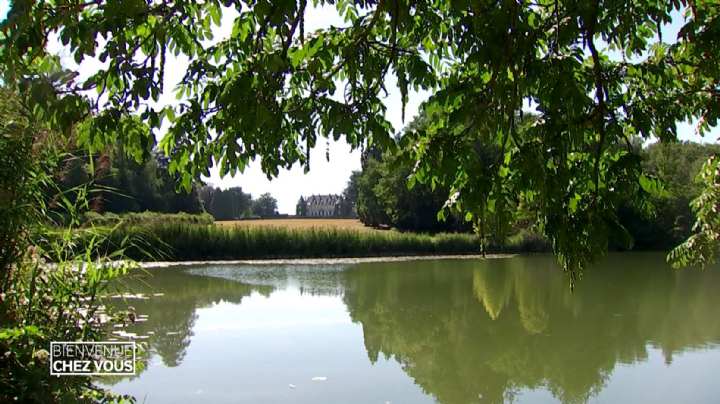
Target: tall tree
x=270, y=89
x=301, y=208
x=370, y=209
x=384, y=198
x=669, y=219
x=348, y=205
x=229, y=204
x=265, y=206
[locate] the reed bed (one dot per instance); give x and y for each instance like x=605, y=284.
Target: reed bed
x=182, y=242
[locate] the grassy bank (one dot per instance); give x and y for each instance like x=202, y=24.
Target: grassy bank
x=181, y=242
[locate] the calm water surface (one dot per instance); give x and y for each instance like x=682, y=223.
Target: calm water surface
x=445, y=331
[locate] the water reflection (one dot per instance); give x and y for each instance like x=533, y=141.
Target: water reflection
x=468, y=331
x=170, y=299
x=528, y=330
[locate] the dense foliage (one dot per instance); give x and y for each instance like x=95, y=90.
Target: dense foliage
x=20, y=187
x=348, y=206
x=50, y=288
x=232, y=203
x=385, y=199
x=702, y=246
x=265, y=206
x=126, y=185
x=663, y=222
x=270, y=89
x=669, y=219
x=227, y=204
x=390, y=194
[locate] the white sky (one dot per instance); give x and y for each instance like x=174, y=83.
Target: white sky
x=324, y=177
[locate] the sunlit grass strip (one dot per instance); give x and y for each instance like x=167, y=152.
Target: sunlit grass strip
x=299, y=223
x=199, y=242
x=144, y=218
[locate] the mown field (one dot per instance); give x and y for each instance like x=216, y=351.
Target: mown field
x=300, y=223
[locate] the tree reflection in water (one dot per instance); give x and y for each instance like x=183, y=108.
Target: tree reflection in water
x=170, y=299
x=469, y=329
x=464, y=329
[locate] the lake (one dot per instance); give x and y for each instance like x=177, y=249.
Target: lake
x=430, y=331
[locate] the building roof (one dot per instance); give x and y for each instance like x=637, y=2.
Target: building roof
x=323, y=199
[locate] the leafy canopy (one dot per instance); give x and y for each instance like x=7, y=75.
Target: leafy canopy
x=270, y=89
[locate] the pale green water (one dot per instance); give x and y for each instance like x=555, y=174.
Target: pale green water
x=447, y=331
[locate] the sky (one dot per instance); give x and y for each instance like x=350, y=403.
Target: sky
x=325, y=177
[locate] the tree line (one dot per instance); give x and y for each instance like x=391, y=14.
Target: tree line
x=233, y=203
x=122, y=184
x=381, y=195
x=387, y=196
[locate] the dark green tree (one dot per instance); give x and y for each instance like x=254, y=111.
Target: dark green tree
x=370, y=209
x=670, y=218
x=265, y=206
x=229, y=204
x=385, y=198
x=348, y=206
x=126, y=185
x=301, y=208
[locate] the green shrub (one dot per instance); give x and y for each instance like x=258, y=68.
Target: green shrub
x=58, y=302
x=527, y=240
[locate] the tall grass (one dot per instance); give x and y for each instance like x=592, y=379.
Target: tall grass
x=185, y=242
x=178, y=241
x=144, y=218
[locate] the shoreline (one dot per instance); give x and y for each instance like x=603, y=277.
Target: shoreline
x=320, y=261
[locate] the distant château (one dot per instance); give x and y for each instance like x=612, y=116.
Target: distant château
x=321, y=206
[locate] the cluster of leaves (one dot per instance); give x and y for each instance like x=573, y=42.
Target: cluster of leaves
x=677, y=165
x=228, y=204
x=348, y=206
x=47, y=303
x=23, y=177
x=265, y=206
x=269, y=89
x=701, y=247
